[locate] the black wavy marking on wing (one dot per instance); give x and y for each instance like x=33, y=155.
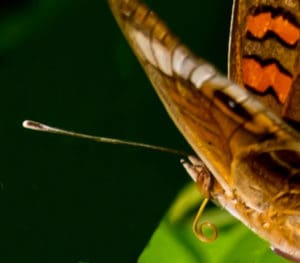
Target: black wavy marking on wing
x=275, y=12
x=271, y=35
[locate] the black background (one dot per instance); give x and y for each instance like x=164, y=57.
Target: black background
x=66, y=63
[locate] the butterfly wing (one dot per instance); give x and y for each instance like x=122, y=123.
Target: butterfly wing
x=244, y=144
x=264, y=53
x=215, y=115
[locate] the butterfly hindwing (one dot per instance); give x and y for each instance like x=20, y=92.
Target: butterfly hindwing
x=264, y=53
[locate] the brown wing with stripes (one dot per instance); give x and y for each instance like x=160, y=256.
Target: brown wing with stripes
x=265, y=51
x=217, y=117
x=250, y=151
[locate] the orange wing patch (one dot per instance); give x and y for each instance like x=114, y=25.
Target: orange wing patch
x=260, y=78
x=259, y=25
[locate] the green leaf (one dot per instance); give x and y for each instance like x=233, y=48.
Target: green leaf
x=173, y=241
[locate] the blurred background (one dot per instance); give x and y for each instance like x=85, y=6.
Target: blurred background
x=66, y=63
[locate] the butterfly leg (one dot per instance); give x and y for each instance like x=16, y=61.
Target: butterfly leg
x=200, y=174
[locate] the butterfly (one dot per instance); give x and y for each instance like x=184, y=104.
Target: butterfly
x=237, y=126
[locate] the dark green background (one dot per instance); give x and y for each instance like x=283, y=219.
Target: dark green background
x=66, y=63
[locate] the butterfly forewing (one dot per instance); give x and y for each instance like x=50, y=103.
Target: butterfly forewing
x=237, y=137
x=146, y=33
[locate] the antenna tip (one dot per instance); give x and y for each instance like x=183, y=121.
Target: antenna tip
x=33, y=125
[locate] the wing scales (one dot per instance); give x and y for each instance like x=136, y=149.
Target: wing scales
x=229, y=129
x=207, y=122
